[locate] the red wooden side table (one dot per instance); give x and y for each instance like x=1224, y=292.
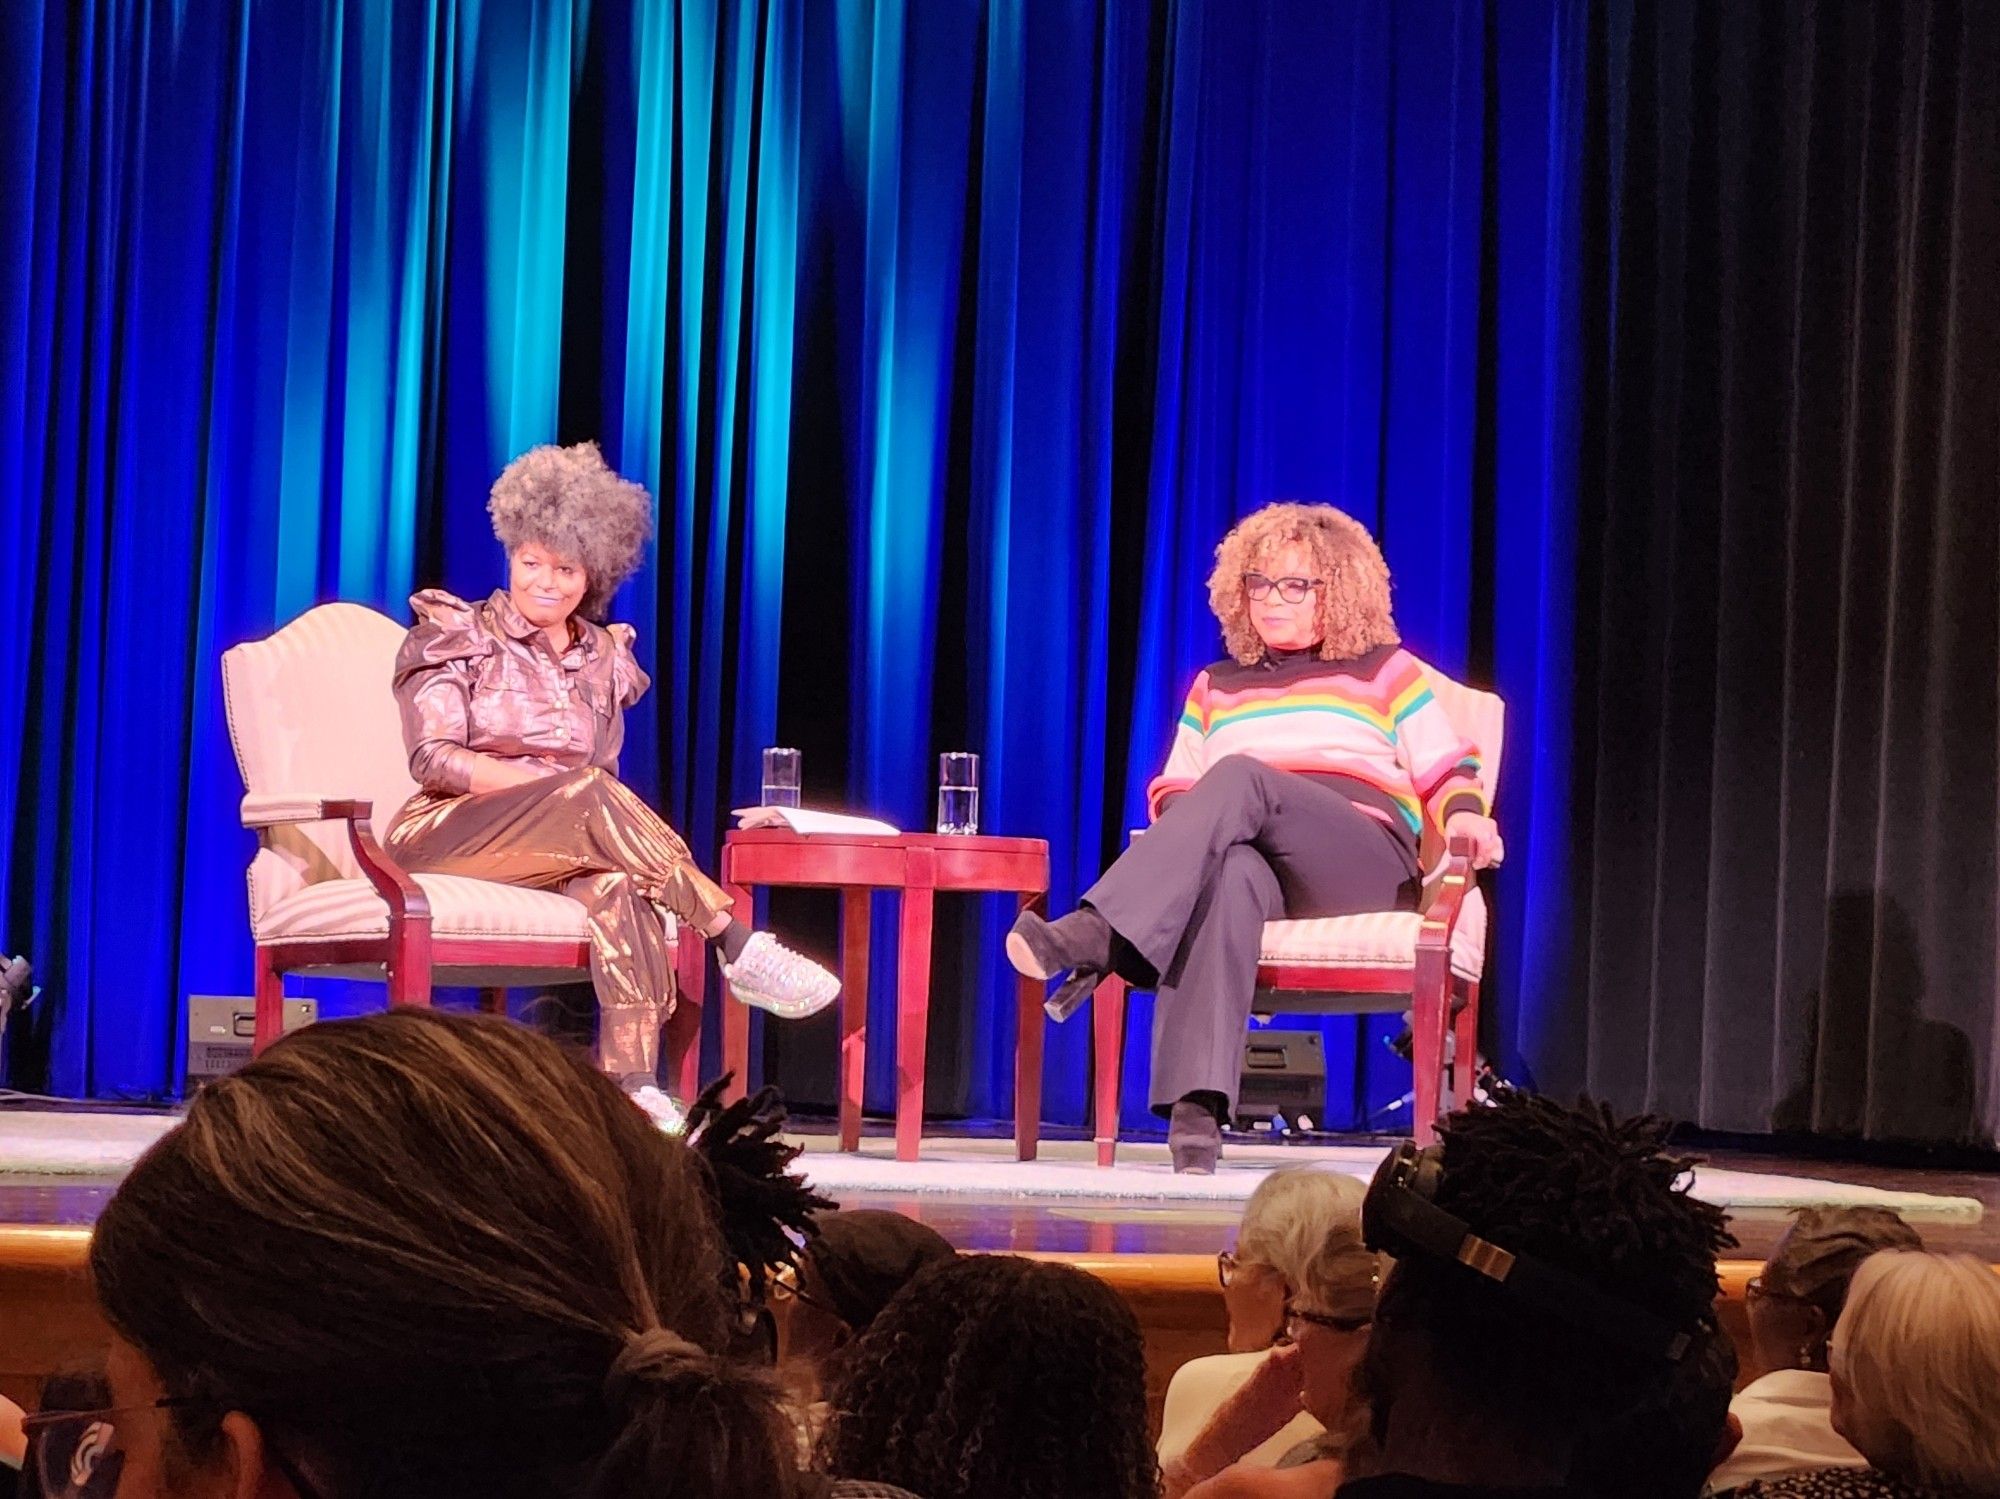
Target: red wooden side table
x=919, y=865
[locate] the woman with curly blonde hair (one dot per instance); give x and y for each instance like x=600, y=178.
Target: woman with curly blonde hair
x=1305, y=771
x=514, y=712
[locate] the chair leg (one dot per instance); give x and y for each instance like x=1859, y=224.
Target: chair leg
x=1465, y=1049
x=736, y=1017
x=683, y=1038
x=1428, y=1002
x=1107, y=1027
x=1029, y=1029
x=493, y=1001
x=270, y=993
x=410, y=961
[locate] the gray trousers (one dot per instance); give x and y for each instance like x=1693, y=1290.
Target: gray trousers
x=1245, y=845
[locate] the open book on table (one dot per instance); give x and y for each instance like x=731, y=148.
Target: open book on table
x=807, y=820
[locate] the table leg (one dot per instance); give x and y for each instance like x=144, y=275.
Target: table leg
x=735, y=1014
x=1028, y=1034
x=913, y=1004
x=854, y=915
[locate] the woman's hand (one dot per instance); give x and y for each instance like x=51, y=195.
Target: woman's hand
x=1484, y=832
x=1258, y=1410
x=496, y=773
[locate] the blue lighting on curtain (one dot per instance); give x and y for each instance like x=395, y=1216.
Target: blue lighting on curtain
x=286, y=287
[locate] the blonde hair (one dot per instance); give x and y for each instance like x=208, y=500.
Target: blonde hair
x=1354, y=615
x=1917, y=1354
x=573, y=502
x=1293, y=1217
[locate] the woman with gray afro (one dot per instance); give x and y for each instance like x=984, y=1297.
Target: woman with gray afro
x=513, y=712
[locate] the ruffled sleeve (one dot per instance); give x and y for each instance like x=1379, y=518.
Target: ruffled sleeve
x=628, y=679
x=433, y=685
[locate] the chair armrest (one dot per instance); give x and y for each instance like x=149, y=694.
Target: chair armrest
x=406, y=898
x=272, y=809
x=1441, y=914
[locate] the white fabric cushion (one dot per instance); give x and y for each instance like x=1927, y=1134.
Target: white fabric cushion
x=1386, y=939
x=460, y=908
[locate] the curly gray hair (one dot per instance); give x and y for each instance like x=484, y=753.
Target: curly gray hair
x=573, y=502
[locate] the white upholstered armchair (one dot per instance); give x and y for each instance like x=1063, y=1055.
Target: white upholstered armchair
x=317, y=738
x=1428, y=962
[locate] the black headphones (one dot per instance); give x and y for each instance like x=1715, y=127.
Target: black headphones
x=1400, y=1218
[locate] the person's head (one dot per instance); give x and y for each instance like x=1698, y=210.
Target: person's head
x=420, y=1254
x=992, y=1377
x=1797, y=1297
x=574, y=531
x=1330, y=1315
x=1678, y=1432
x=1293, y=1212
x=846, y=1273
x=1296, y=577
x=1580, y=1192
x=1916, y=1364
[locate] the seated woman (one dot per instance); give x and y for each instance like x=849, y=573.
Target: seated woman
x=423, y=1255
x=1294, y=1212
x=1914, y=1367
x=513, y=712
x=1326, y=1323
x=996, y=1377
x=1786, y=1413
x=1305, y=772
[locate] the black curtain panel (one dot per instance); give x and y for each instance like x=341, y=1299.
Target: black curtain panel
x=1790, y=515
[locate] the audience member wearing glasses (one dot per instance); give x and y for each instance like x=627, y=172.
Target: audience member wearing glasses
x=1288, y=1220
x=1786, y=1413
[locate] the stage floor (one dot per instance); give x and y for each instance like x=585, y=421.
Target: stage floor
x=1079, y=1223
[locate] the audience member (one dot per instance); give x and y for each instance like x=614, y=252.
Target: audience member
x=1915, y=1369
x=1294, y=1213
x=996, y=1377
x=1786, y=1414
x=1664, y=1446
x=846, y=1273
x=423, y=1256
x=13, y=1448
x=1327, y=1321
x=1475, y=1385
x=66, y=1458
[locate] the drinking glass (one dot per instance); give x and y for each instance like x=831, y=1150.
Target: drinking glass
x=958, y=792
x=781, y=778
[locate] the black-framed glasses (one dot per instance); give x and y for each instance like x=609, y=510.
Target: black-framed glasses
x=784, y=1286
x=78, y=1453
x=1291, y=590
x=1225, y=1267
x=1295, y=1315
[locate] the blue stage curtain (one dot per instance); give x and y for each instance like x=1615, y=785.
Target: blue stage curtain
x=950, y=336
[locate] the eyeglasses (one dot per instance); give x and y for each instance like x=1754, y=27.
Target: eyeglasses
x=1227, y=1266
x=785, y=1287
x=1291, y=590
x=1295, y=1316
x=78, y=1453
x=1755, y=1289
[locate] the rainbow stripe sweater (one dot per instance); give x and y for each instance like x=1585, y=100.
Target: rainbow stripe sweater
x=1371, y=725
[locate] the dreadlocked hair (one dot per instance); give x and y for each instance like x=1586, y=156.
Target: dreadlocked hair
x=1577, y=1188
x=991, y=1377
x=763, y=1209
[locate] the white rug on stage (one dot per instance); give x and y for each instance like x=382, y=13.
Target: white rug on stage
x=1067, y=1171
x=50, y=1144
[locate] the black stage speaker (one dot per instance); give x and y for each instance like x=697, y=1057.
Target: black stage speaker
x=220, y=1030
x=1284, y=1079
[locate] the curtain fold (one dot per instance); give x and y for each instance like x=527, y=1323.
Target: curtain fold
x=950, y=338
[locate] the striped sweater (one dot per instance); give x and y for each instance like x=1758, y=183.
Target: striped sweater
x=1370, y=725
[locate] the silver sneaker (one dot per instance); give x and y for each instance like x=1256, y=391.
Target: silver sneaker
x=660, y=1108
x=768, y=975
